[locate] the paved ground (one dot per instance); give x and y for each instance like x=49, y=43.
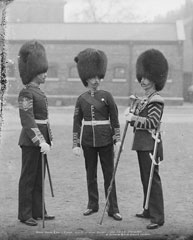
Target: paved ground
x=69, y=182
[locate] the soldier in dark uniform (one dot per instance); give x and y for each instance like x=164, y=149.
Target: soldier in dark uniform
x=35, y=138
x=151, y=72
x=101, y=130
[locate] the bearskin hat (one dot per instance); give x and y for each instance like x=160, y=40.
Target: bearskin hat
x=32, y=60
x=91, y=63
x=152, y=65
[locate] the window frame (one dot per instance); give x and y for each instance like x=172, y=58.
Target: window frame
x=53, y=65
x=116, y=79
x=70, y=78
x=12, y=77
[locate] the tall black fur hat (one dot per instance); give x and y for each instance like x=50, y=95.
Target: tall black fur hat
x=32, y=60
x=91, y=63
x=152, y=65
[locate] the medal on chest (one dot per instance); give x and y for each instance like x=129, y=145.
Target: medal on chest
x=141, y=105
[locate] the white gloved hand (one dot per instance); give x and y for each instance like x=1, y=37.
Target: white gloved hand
x=45, y=148
x=129, y=117
x=128, y=114
x=76, y=151
x=127, y=111
x=117, y=147
x=52, y=144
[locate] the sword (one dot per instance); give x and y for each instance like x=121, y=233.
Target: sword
x=153, y=158
x=132, y=109
x=43, y=191
x=115, y=169
x=49, y=177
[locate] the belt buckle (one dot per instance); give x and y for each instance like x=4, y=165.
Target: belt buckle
x=94, y=123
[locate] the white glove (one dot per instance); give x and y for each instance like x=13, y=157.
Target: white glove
x=117, y=147
x=52, y=144
x=45, y=148
x=76, y=151
x=128, y=114
x=127, y=111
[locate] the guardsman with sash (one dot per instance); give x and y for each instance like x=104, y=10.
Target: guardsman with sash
x=151, y=73
x=97, y=111
x=35, y=138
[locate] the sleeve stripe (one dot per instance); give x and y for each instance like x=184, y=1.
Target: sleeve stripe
x=156, y=115
x=153, y=118
x=38, y=136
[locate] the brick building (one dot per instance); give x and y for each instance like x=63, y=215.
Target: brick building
x=121, y=42
x=188, y=57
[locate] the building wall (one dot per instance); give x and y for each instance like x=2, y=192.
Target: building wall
x=188, y=57
x=64, y=88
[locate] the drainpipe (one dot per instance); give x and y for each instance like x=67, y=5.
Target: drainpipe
x=130, y=83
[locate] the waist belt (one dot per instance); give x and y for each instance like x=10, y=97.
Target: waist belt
x=38, y=121
x=97, y=122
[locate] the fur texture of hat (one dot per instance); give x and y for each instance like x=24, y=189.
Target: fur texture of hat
x=91, y=63
x=32, y=60
x=153, y=66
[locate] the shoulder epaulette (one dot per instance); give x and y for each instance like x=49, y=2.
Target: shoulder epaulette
x=157, y=98
x=105, y=92
x=102, y=90
x=24, y=90
x=82, y=94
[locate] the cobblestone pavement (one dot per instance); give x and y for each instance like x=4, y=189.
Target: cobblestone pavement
x=69, y=182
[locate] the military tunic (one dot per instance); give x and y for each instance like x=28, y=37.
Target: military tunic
x=146, y=120
x=33, y=110
x=98, y=114
x=96, y=135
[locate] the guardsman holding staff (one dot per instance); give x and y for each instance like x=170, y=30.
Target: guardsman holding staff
x=101, y=129
x=35, y=138
x=151, y=73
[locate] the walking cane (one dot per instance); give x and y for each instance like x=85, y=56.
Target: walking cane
x=132, y=109
x=153, y=158
x=43, y=191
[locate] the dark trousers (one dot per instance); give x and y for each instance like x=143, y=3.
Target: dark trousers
x=156, y=203
x=106, y=155
x=30, y=184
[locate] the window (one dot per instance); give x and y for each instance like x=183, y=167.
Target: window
x=119, y=74
x=73, y=74
x=170, y=78
x=52, y=74
x=10, y=70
